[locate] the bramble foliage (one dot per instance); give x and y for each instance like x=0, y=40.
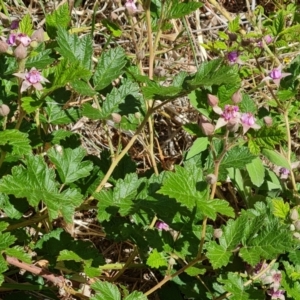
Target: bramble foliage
x=240, y=242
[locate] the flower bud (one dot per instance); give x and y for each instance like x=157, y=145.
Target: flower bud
x=172, y=261
x=206, y=127
x=138, y=115
x=296, y=235
x=140, y=54
x=38, y=35
x=237, y=97
x=268, y=121
x=211, y=179
x=232, y=36
x=3, y=47
x=297, y=225
x=116, y=118
x=292, y=227
x=218, y=233
x=212, y=100
x=159, y=71
x=20, y=51
x=34, y=44
x=4, y=110
x=294, y=215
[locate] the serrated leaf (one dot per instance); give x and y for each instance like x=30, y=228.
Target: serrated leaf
x=68, y=255
x=194, y=271
x=59, y=18
x=90, y=112
x=235, y=285
x=91, y=271
x=181, y=186
x=19, y=253
x=281, y=209
x=40, y=60
x=217, y=255
x=237, y=157
x=276, y=158
x=9, y=209
x=58, y=135
x=268, y=137
x=247, y=104
x=192, y=129
x=30, y=104
x=217, y=206
x=82, y=88
x=234, y=25
x=37, y=183
x=156, y=260
x=69, y=164
x=199, y=145
x=136, y=296
x=58, y=116
x=110, y=66
x=156, y=91
x=6, y=240
x=115, y=30
x=25, y=26
x=294, y=257
x=105, y=291
x=3, y=268
x=256, y=171
x=278, y=23
x=75, y=49
x=18, y=141
x=214, y=73
x=178, y=10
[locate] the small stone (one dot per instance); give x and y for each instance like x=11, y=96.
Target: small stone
x=294, y=215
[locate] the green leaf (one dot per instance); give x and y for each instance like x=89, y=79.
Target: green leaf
x=110, y=66
x=68, y=255
x=90, y=112
x=181, y=186
x=19, y=253
x=215, y=206
x=3, y=268
x=217, y=255
x=192, y=129
x=105, y=291
x=91, y=271
x=234, y=25
x=82, y=88
x=58, y=116
x=40, y=60
x=276, y=158
x=281, y=209
x=267, y=137
x=9, y=208
x=37, y=183
x=69, y=164
x=17, y=141
x=30, y=104
x=136, y=296
x=58, y=135
x=214, y=73
x=156, y=260
x=115, y=30
x=199, y=145
x=3, y=226
x=156, y=91
x=235, y=285
x=59, y=18
x=75, y=49
x=278, y=23
x=237, y=157
x=294, y=257
x=194, y=271
x=25, y=26
x=178, y=10
x=256, y=171
x=6, y=240
x=247, y=104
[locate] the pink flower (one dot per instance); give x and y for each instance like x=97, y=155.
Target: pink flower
x=276, y=294
x=229, y=116
x=20, y=38
x=248, y=121
x=31, y=78
x=274, y=278
x=131, y=7
x=276, y=75
x=232, y=56
x=268, y=39
x=162, y=225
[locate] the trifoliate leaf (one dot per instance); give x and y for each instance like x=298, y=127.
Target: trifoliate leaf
x=105, y=291
x=17, y=141
x=156, y=260
x=69, y=164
